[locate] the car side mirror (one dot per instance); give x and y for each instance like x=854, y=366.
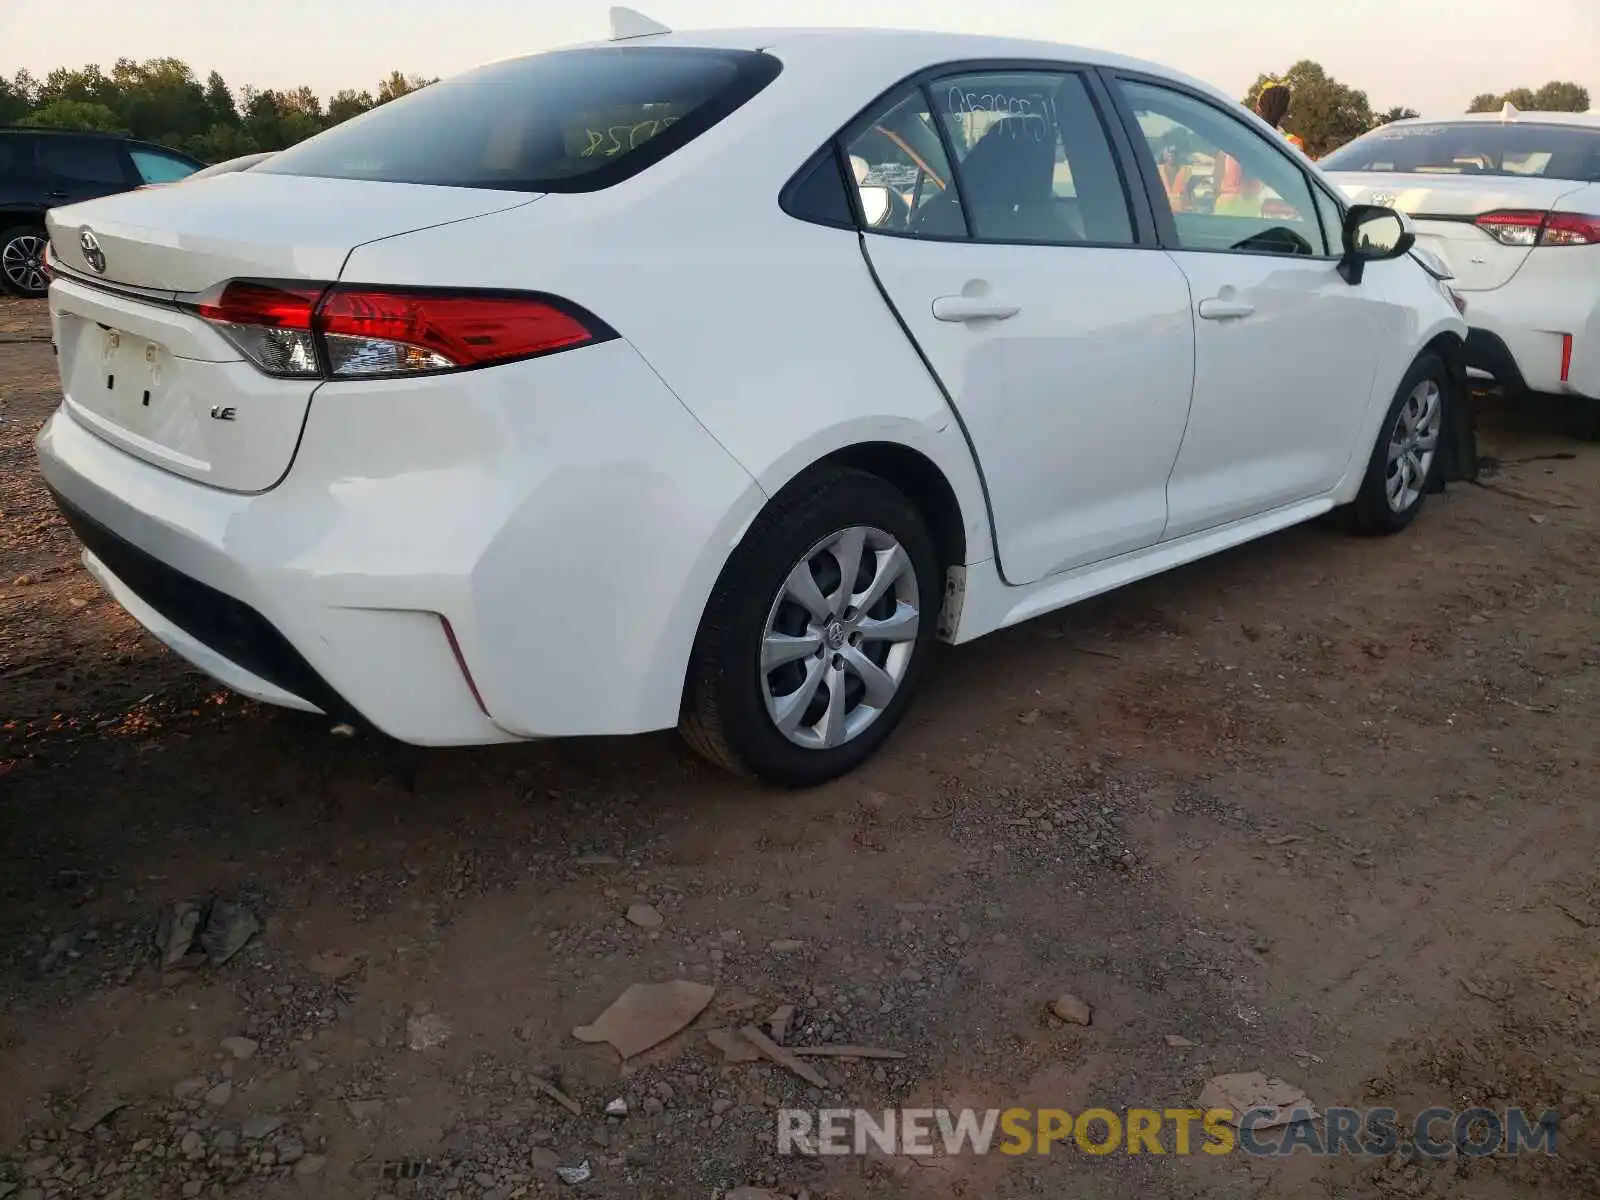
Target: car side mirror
x=1373, y=234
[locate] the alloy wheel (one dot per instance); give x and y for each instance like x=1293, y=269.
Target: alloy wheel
x=839, y=637
x=1413, y=444
x=22, y=262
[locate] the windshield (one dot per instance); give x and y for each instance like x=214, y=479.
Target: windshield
x=567, y=121
x=1475, y=148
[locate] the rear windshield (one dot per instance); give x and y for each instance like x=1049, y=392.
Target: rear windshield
x=1475, y=148
x=567, y=121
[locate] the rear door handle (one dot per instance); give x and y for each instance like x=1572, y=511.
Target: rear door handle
x=1216, y=309
x=973, y=308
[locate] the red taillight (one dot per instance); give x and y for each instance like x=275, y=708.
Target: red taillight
x=269, y=322
x=241, y=302
x=342, y=331
x=1512, y=228
x=1571, y=229
x=380, y=332
x=1566, y=358
x=1526, y=228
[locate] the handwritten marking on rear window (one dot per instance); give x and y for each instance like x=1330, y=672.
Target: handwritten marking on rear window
x=1036, y=113
x=619, y=139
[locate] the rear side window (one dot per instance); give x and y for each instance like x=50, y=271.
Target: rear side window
x=567, y=121
x=82, y=160
x=1475, y=148
x=1034, y=160
x=155, y=167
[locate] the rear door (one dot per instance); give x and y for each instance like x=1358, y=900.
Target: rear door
x=1002, y=232
x=75, y=169
x=1284, y=347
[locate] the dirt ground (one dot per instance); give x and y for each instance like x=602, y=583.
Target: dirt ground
x=1324, y=807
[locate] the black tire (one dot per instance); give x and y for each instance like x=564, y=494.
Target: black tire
x=1585, y=419
x=1372, y=513
x=725, y=717
x=11, y=243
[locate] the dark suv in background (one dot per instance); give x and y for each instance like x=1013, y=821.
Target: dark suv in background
x=42, y=169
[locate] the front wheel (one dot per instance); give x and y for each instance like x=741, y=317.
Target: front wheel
x=817, y=634
x=22, y=261
x=1405, y=459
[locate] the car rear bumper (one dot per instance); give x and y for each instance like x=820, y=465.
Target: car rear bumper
x=519, y=552
x=1520, y=331
x=227, y=639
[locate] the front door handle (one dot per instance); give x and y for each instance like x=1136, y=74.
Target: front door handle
x=973, y=308
x=1217, y=309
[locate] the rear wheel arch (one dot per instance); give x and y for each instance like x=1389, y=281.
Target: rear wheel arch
x=723, y=715
x=919, y=478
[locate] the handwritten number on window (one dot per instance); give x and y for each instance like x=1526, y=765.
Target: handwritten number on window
x=619, y=139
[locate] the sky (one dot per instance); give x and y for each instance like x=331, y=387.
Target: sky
x=1431, y=55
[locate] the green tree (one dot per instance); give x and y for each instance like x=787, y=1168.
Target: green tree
x=219, y=101
x=219, y=143
x=400, y=84
x=305, y=102
x=1555, y=96
x=16, y=97
x=163, y=99
x=1324, y=112
x=88, y=85
x=1395, y=114
x=160, y=98
x=1561, y=96
x=75, y=114
x=346, y=104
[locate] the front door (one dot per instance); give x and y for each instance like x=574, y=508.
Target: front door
x=1065, y=346
x=1284, y=367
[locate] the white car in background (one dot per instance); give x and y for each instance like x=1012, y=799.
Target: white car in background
x=707, y=379
x=1511, y=202
x=229, y=165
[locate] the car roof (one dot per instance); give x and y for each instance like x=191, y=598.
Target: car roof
x=43, y=131
x=1589, y=120
x=895, y=53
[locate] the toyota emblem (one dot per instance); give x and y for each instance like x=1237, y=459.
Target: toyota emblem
x=92, y=254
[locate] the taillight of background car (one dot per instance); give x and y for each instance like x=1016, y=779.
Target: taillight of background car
x=1517, y=227
x=346, y=331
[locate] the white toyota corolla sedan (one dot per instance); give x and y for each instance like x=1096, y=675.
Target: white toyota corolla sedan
x=1511, y=202
x=708, y=379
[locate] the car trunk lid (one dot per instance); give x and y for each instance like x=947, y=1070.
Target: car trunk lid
x=186, y=239
x=1445, y=208
x=143, y=371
